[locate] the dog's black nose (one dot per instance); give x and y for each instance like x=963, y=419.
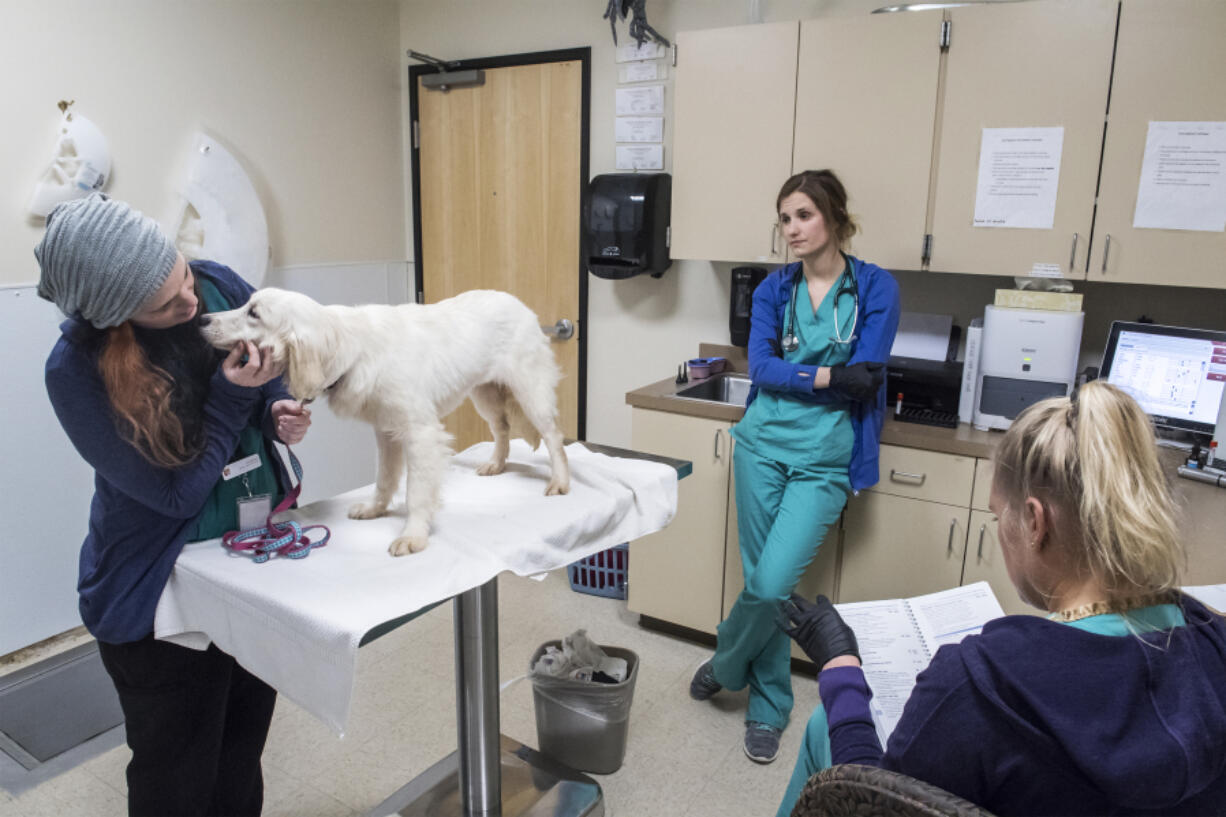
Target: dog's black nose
x=204, y=320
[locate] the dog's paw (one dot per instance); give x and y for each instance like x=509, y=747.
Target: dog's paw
x=366, y=510
x=404, y=545
x=557, y=488
x=491, y=468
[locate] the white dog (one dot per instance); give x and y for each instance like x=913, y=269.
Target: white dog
x=402, y=369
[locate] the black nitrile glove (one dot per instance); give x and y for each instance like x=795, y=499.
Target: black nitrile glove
x=818, y=629
x=859, y=381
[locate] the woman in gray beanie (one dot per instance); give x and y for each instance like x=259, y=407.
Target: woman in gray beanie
x=158, y=414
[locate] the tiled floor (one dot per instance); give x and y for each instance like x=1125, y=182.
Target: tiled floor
x=683, y=758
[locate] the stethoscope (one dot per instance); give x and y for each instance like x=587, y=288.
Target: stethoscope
x=847, y=286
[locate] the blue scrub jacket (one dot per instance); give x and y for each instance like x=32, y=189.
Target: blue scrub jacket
x=875, y=330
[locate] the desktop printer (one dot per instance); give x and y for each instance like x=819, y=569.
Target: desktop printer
x=1026, y=355
x=929, y=390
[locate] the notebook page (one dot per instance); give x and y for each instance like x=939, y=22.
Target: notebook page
x=1213, y=595
x=891, y=652
x=949, y=616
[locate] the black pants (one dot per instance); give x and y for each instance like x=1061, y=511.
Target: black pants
x=196, y=724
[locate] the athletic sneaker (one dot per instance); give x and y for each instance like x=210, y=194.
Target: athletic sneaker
x=761, y=742
x=703, y=685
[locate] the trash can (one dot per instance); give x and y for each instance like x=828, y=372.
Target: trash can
x=584, y=724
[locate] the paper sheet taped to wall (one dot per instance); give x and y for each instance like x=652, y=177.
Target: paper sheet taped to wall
x=1019, y=173
x=1183, y=177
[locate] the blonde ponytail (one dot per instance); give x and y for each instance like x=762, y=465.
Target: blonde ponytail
x=1093, y=459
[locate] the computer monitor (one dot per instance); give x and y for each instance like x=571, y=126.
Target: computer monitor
x=1176, y=374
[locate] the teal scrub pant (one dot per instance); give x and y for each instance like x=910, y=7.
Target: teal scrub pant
x=814, y=756
x=783, y=513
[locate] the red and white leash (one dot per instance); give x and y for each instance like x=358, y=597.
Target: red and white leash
x=288, y=538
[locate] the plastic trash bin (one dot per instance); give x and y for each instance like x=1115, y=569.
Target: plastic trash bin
x=584, y=724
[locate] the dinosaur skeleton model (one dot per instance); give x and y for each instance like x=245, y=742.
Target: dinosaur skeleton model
x=639, y=28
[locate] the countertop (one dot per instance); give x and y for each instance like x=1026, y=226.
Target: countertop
x=1202, y=507
x=963, y=440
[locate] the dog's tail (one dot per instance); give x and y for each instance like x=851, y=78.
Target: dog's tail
x=520, y=427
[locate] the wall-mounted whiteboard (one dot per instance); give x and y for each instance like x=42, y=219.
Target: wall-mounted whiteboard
x=45, y=487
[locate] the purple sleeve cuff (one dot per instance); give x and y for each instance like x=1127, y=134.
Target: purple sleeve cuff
x=845, y=695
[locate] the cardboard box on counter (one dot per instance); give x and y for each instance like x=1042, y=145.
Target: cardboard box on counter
x=1035, y=299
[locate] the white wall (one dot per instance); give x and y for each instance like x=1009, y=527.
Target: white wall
x=305, y=93
x=641, y=328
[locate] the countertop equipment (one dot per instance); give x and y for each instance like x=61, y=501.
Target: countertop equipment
x=1027, y=355
x=929, y=390
x=923, y=372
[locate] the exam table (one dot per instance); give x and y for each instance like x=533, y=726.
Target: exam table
x=298, y=624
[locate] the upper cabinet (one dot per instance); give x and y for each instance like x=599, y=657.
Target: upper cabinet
x=735, y=94
x=899, y=110
x=1023, y=65
x=866, y=97
x=1170, y=65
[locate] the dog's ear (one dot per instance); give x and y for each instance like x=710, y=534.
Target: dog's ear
x=306, y=372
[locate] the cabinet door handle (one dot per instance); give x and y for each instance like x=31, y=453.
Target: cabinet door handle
x=982, y=529
x=949, y=547
x=774, y=235
x=1106, y=249
x=1072, y=256
x=903, y=476
x=717, y=446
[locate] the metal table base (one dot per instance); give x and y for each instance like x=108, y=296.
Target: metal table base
x=489, y=775
x=531, y=785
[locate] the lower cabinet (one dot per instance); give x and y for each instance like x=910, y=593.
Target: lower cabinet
x=895, y=547
x=985, y=563
x=677, y=575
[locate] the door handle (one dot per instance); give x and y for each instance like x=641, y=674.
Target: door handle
x=1106, y=250
x=1072, y=256
x=949, y=547
x=562, y=330
x=911, y=479
x=982, y=529
x=774, y=233
x=717, y=446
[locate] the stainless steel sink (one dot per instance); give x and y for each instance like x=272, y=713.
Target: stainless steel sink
x=732, y=389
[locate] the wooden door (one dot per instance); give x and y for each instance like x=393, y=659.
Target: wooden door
x=1169, y=66
x=732, y=147
x=867, y=114
x=501, y=168
x=1022, y=65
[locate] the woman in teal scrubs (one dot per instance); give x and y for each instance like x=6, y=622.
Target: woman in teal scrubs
x=821, y=332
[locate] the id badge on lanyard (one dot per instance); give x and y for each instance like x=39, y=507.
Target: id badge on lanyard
x=253, y=509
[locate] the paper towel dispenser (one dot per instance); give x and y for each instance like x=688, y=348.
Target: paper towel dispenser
x=627, y=224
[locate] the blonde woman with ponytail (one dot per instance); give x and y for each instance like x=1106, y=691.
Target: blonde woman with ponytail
x=158, y=414
x=1114, y=702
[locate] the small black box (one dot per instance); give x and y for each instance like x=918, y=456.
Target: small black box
x=627, y=224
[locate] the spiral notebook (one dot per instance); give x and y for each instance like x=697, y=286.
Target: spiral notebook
x=898, y=637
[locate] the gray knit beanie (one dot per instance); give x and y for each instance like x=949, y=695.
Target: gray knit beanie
x=101, y=259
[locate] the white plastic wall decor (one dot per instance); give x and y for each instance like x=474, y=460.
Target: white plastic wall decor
x=81, y=165
x=220, y=217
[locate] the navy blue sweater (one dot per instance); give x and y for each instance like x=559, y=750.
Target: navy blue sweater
x=1034, y=717
x=141, y=513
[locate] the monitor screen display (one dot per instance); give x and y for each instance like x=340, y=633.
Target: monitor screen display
x=1178, y=375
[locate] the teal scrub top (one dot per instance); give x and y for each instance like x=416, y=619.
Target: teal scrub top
x=785, y=428
x=220, y=512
